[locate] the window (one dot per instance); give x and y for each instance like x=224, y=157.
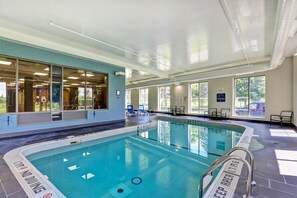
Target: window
x=34, y=80
x=128, y=98
x=199, y=97
x=164, y=98
x=7, y=85
x=143, y=98
x=249, y=95
x=74, y=89
x=96, y=93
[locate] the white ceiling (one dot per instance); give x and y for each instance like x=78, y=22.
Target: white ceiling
x=159, y=41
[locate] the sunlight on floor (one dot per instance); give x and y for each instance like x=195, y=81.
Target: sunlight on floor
x=287, y=162
x=282, y=133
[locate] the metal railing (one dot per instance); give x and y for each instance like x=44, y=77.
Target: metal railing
x=226, y=158
x=247, y=152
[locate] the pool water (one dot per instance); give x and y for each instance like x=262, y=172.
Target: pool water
x=165, y=161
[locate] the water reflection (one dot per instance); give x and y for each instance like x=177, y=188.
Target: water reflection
x=198, y=48
x=200, y=140
x=144, y=58
x=164, y=57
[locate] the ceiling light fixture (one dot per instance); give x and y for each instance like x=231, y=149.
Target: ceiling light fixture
x=5, y=62
x=88, y=75
x=73, y=78
x=46, y=69
x=39, y=74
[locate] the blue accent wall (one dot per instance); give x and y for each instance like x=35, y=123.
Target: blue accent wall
x=116, y=104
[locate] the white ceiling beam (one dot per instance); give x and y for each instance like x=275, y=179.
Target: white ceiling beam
x=285, y=18
x=235, y=29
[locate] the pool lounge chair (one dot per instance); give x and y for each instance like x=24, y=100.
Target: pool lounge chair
x=224, y=113
x=141, y=110
x=283, y=117
x=130, y=111
x=180, y=110
x=212, y=112
x=172, y=110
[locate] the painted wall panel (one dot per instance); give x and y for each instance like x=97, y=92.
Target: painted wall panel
x=116, y=104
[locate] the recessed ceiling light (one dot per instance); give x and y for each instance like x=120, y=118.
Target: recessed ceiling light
x=88, y=75
x=21, y=79
x=65, y=80
x=46, y=69
x=72, y=77
x=74, y=84
x=5, y=62
x=40, y=74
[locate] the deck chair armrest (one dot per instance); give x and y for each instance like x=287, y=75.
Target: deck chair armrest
x=275, y=115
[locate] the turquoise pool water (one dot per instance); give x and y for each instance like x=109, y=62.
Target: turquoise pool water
x=165, y=161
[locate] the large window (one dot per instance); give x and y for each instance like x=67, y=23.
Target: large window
x=34, y=83
x=164, y=98
x=128, y=98
x=143, y=98
x=96, y=94
x=199, y=97
x=84, y=90
x=249, y=96
x=7, y=85
x=74, y=89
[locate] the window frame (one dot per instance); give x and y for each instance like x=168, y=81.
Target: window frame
x=249, y=96
x=140, y=98
x=159, y=97
x=199, y=98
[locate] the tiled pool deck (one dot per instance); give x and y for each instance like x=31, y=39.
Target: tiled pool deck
x=274, y=149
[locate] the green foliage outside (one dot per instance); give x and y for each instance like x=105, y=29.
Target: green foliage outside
x=257, y=90
x=199, y=97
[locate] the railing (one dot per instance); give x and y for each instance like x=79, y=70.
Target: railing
x=223, y=161
x=226, y=157
x=247, y=152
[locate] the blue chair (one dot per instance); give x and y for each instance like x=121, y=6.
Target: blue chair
x=130, y=111
x=141, y=110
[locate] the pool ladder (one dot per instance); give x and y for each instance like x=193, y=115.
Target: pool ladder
x=227, y=157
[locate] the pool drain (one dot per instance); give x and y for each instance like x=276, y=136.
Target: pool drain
x=136, y=180
x=120, y=190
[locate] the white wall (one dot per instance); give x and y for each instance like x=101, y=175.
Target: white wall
x=279, y=90
x=135, y=98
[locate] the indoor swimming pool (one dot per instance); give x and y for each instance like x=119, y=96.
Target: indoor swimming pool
x=165, y=160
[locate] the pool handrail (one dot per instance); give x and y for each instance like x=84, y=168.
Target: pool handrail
x=251, y=156
x=221, y=162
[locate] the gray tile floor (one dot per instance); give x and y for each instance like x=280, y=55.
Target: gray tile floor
x=276, y=175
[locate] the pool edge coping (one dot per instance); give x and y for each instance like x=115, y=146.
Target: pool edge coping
x=22, y=169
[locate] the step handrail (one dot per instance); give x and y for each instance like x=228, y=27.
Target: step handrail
x=223, y=161
x=251, y=156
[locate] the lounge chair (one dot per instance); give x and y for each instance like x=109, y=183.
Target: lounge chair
x=224, y=113
x=172, y=110
x=130, y=111
x=180, y=110
x=212, y=112
x=283, y=117
x=141, y=110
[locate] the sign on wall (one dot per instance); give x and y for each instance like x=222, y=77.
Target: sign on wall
x=221, y=97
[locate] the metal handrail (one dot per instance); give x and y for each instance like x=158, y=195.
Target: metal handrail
x=218, y=164
x=247, y=152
